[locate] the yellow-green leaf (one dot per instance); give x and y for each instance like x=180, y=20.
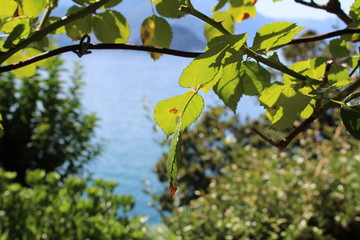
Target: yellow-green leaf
x=111, y=27
x=226, y=19
x=33, y=8
x=188, y=106
x=7, y=9
x=78, y=28
x=274, y=35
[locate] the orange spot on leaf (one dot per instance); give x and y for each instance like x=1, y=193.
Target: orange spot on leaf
x=173, y=110
x=172, y=190
x=246, y=16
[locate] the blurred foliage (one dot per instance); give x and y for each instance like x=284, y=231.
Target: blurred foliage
x=234, y=186
x=74, y=209
x=45, y=124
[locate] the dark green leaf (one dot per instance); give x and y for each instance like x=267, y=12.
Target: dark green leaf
x=111, y=27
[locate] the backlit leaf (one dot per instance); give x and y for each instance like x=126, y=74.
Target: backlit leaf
x=255, y=79
x=274, y=35
x=7, y=8
x=188, y=106
x=242, y=13
x=26, y=71
x=229, y=88
x=111, y=27
x=226, y=19
x=156, y=31
x=169, y=8
x=78, y=28
x=313, y=68
x=271, y=94
x=33, y=8
x=339, y=48
x=290, y=110
x=205, y=67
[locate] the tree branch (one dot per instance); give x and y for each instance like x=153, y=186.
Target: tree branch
x=104, y=46
x=333, y=6
x=38, y=35
x=73, y=48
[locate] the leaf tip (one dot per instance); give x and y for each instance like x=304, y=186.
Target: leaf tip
x=172, y=190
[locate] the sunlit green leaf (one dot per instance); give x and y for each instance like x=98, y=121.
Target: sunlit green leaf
x=226, y=19
x=169, y=8
x=338, y=76
x=187, y=106
x=242, y=13
x=7, y=8
x=205, y=67
x=220, y=4
x=26, y=71
x=14, y=36
x=111, y=27
x=271, y=94
x=274, y=35
x=313, y=68
x=78, y=28
x=289, y=111
x=156, y=31
x=33, y=8
x=339, y=48
x=255, y=79
x=229, y=88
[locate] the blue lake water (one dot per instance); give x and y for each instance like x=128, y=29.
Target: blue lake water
x=116, y=84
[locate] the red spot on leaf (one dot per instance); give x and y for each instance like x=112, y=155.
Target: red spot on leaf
x=172, y=190
x=16, y=13
x=173, y=110
x=246, y=16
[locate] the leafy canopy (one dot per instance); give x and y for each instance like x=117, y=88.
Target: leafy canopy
x=307, y=88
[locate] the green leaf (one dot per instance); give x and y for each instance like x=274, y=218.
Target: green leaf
x=14, y=36
x=338, y=76
x=169, y=8
x=26, y=71
x=188, y=106
x=339, y=48
x=313, y=68
x=355, y=10
x=7, y=9
x=274, y=35
x=289, y=110
x=271, y=94
x=255, y=79
x=229, y=87
x=350, y=115
x=226, y=20
x=1, y=128
x=33, y=8
x=242, y=13
x=112, y=3
x=173, y=157
x=78, y=28
x=220, y=4
x=204, y=68
x=156, y=31
x=111, y=27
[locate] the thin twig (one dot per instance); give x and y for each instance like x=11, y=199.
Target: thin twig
x=38, y=35
x=333, y=6
x=104, y=46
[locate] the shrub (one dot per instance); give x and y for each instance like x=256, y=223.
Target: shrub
x=45, y=124
x=50, y=209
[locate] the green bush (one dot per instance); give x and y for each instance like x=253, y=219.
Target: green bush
x=45, y=126
x=74, y=209
x=309, y=191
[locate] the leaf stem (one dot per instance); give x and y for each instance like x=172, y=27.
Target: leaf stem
x=38, y=35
